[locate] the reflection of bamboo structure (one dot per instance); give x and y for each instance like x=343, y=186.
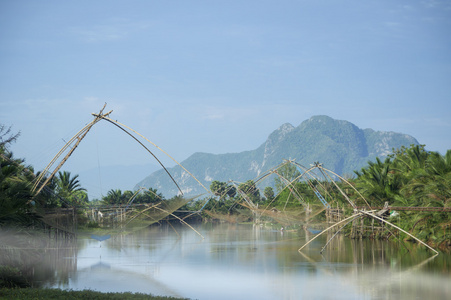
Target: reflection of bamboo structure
x=309, y=174
x=374, y=286
x=327, y=229
x=118, y=215
x=400, y=229
x=360, y=213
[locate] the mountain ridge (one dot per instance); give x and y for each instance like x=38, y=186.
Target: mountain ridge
x=338, y=144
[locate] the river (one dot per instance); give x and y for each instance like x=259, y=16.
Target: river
x=226, y=261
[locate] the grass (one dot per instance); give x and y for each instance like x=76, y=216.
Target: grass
x=34, y=293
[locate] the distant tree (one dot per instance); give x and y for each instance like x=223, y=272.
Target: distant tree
x=16, y=198
x=113, y=197
x=250, y=190
x=6, y=137
x=268, y=192
x=148, y=196
x=287, y=173
x=219, y=188
x=409, y=159
x=378, y=182
x=68, y=187
x=95, y=202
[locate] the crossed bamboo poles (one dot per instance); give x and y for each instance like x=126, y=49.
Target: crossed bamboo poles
x=309, y=174
x=41, y=181
x=74, y=141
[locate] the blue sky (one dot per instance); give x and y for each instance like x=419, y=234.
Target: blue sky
x=218, y=76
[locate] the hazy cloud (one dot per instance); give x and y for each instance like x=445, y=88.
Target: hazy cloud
x=112, y=31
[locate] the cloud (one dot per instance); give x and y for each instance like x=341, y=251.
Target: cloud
x=438, y=122
x=214, y=116
x=228, y=113
x=115, y=30
x=99, y=34
x=392, y=24
x=432, y=3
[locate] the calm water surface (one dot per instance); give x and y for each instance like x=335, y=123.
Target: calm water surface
x=250, y=262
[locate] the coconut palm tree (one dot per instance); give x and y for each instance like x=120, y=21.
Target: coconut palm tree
x=433, y=183
x=68, y=187
x=379, y=182
x=15, y=190
x=113, y=197
x=410, y=159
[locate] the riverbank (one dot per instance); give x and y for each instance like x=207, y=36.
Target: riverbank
x=34, y=293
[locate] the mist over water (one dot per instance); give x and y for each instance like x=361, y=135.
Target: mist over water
x=238, y=262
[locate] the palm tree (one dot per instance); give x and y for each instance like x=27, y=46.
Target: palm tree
x=378, y=181
x=113, y=197
x=149, y=196
x=15, y=190
x=439, y=164
x=68, y=187
x=410, y=159
x=430, y=185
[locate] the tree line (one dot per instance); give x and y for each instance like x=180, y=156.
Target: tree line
x=409, y=176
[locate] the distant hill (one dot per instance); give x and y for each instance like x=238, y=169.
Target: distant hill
x=339, y=145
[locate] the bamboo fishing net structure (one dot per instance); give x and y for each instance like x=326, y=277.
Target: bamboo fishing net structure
x=119, y=217
x=303, y=210
x=323, y=183
x=244, y=216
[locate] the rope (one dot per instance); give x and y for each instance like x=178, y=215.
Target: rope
x=98, y=162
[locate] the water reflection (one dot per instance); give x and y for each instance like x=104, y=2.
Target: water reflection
x=40, y=259
x=248, y=262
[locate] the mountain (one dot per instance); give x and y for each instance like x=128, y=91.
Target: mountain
x=339, y=145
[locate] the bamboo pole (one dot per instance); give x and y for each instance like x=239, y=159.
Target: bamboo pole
x=123, y=125
x=381, y=219
x=183, y=221
x=141, y=212
x=338, y=231
x=78, y=137
x=173, y=228
x=336, y=224
x=347, y=182
x=133, y=137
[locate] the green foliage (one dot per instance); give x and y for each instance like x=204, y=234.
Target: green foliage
x=249, y=191
x=412, y=177
x=6, y=137
x=33, y=293
x=287, y=173
x=68, y=188
x=286, y=199
x=16, y=206
x=268, y=192
x=114, y=197
x=339, y=145
x=294, y=195
x=222, y=189
x=11, y=277
x=378, y=183
x=92, y=224
x=117, y=197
